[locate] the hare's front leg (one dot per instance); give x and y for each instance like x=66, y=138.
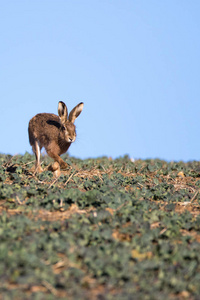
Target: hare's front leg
x=36, y=150
x=56, y=157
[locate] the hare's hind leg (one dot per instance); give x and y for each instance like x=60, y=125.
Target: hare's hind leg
x=36, y=150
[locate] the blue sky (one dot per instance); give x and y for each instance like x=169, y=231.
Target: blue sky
x=134, y=63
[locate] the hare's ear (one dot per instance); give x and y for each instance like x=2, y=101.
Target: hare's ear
x=75, y=112
x=62, y=111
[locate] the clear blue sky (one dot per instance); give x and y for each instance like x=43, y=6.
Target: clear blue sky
x=134, y=63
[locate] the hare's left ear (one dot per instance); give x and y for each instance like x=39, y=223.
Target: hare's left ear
x=62, y=112
x=75, y=112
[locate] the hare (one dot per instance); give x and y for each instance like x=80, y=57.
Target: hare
x=54, y=133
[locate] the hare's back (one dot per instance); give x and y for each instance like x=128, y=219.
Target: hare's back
x=44, y=123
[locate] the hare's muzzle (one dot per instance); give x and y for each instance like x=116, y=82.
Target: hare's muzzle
x=71, y=140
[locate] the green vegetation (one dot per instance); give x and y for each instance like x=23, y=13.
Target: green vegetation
x=104, y=229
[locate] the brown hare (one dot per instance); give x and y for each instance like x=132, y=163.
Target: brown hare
x=54, y=133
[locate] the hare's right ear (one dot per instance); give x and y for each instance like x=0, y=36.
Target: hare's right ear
x=62, y=112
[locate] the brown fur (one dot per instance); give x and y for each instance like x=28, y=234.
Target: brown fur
x=54, y=133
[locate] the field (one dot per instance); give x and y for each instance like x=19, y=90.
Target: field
x=103, y=229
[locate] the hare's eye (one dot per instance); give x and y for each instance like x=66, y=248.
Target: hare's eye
x=66, y=132
x=65, y=129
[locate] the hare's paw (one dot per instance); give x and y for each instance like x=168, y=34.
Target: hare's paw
x=38, y=169
x=55, y=168
x=32, y=169
x=64, y=165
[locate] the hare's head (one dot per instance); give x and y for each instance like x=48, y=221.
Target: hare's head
x=67, y=122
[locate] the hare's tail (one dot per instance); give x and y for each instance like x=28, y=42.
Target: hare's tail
x=32, y=138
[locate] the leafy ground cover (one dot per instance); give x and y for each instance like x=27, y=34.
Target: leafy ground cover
x=104, y=229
